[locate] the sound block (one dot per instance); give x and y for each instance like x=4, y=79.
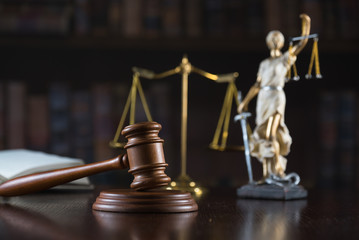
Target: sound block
x=269, y=191
x=131, y=201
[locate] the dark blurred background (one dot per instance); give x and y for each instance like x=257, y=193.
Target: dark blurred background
x=66, y=72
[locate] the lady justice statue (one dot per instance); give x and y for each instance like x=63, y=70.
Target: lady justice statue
x=270, y=141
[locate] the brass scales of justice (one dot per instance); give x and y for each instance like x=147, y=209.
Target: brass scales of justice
x=183, y=182
x=314, y=59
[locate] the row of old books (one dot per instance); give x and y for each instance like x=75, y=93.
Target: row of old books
x=35, y=17
x=64, y=121
x=243, y=19
x=76, y=121
x=339, y=139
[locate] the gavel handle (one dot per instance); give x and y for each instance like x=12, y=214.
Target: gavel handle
x=45, y=180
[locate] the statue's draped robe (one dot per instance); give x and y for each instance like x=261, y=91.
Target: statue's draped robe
x=270, y=101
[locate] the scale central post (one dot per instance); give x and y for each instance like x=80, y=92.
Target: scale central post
x=186, y=69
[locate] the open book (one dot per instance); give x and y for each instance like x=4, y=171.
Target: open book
x=20, y=162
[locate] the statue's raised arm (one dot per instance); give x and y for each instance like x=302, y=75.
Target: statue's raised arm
x=296, y=49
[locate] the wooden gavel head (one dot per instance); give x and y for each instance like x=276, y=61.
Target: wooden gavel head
x=146, y=161
x=145, y=156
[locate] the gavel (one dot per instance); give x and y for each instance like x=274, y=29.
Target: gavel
x=145, y=159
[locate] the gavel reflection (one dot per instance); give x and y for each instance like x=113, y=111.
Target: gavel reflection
x=144, y=226
x=21, y=222
x=145, y=160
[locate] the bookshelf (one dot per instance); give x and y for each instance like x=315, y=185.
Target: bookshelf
x=100, y=51
x=110, y=21
x=185, y=44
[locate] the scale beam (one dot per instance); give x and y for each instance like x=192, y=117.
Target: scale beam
x=314, y=35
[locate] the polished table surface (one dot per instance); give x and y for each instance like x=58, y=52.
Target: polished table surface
x=222, y=215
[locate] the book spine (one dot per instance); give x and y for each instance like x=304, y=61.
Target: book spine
x=347, y=107
x=356, y=165
x=290, y=21
x=152, y=19
x=215, y=17
x=171, y=15
x=81, y=17
x=313, y=8
x=103, y=126
x=59, y=102
x=330, y=18
x=115, y=17
x=255, y=21
x=328, y=138
x=15, y=115
x=2, y=116
x=132, y=18
x=348, y=18
x=273, y=13
x=193, y=18
x=81, y=125
x=235, y=11
x=38, y=123
x=98, y=17
x=45, y=19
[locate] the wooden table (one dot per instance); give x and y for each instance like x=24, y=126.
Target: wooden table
x=68, y=215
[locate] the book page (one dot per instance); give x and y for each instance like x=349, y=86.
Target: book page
x=20, y=162
x=2, y=179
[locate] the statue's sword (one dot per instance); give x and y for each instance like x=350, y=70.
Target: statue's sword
x=243, y=118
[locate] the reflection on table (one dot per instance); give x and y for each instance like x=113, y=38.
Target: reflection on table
x=268, y=219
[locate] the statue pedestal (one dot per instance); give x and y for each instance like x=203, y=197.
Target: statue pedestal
x=269, y=191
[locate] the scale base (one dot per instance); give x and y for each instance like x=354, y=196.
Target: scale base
x=155, y=201
x=269, y=191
